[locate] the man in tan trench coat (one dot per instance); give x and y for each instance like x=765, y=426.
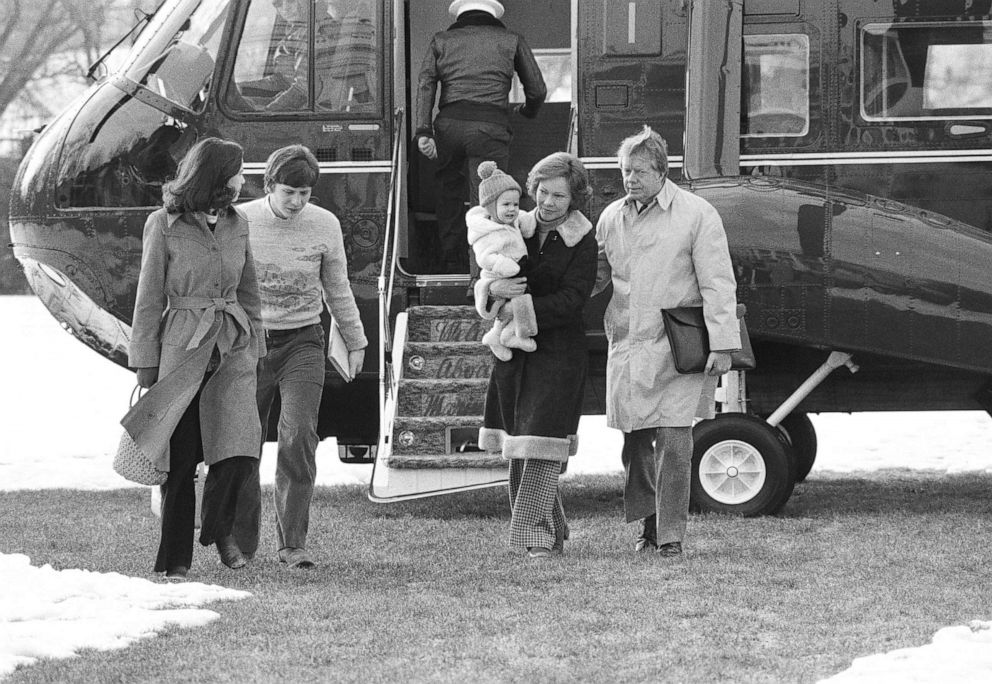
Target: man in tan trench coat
x=661, y=247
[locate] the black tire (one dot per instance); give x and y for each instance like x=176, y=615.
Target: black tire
x=800, y=433
x=747, y=467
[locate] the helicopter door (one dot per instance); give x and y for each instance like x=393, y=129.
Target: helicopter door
x=546, y=27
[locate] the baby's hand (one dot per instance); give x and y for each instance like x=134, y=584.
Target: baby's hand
x=504, y=315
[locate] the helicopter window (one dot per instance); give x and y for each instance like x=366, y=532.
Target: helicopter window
x=556, y=67
x=775, y=86
x=132, y=151
x=307, y=56
x=926, y=71
x=179, y=66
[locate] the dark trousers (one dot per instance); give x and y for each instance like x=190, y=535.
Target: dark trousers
x=658, y=466
x=293, y=368
x=461, y=147
x=224, y=480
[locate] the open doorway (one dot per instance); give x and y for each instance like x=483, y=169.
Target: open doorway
x=546, y=27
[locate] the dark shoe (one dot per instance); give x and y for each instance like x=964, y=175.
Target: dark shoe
x=177, y=574
x=670, y=550
x=230, y=554
x=647, y=541
x=296, y=558
x=538, y=552
x=645, y=545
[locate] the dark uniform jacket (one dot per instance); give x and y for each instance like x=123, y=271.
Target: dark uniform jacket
x=474, y=60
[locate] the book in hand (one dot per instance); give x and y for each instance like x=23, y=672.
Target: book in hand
x=337, y=352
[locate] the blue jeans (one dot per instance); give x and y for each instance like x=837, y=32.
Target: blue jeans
x=293, y=367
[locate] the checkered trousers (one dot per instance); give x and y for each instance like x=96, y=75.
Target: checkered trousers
x=537, y=514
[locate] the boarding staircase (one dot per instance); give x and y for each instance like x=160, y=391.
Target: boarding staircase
x=441, y=390
x=433, y=373
x=440, y=371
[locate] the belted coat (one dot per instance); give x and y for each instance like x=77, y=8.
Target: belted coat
x=672, y=254
x=197, y=293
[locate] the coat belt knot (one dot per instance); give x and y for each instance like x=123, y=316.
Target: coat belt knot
x=211, y=306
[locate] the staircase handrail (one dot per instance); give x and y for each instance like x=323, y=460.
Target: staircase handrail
x=387, y=272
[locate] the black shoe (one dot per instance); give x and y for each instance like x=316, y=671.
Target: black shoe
x=296, y=558
x=670, y=550
x=177, y=574
x=647, y=541
x=230, y=554
x=645, y=545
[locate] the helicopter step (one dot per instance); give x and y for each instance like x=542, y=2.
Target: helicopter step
x=436, y=398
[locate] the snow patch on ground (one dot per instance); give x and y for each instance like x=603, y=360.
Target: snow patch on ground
x=48, y=613
x=956, y=654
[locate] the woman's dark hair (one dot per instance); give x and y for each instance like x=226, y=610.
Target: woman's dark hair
x=293, y=165
x=201, y=179
x=562, y=165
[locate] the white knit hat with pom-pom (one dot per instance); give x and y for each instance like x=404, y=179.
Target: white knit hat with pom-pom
x=494, y=183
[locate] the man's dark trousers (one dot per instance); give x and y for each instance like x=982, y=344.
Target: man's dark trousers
x=461, y=146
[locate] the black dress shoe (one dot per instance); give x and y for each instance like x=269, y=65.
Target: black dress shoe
x=645, y=545
x=648, y=540
x=177, y=574
x=670, y=550
x=230, y=554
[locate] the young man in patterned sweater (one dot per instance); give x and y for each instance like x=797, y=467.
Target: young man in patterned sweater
x=300, y=263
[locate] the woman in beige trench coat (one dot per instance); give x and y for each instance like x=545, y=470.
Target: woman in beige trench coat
x=195, y=343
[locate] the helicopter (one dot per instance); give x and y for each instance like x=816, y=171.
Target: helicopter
x=847, y=145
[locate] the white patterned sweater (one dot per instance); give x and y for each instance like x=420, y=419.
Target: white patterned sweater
x=300, y=262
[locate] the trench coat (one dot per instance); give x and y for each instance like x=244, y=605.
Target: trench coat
x=534, y=400
x=197, y=293
x=673, y=254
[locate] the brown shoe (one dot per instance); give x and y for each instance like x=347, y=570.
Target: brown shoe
x=296, y=558
x=230, y=554
x=670, y=550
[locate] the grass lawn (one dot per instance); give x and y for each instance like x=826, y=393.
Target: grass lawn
x=428, y=590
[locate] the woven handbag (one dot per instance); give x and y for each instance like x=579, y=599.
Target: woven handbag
x=690, y=343
x=132, y=464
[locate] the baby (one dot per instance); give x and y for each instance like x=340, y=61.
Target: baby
x=498, y=244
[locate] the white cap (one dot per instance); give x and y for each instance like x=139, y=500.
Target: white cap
x=494, y=7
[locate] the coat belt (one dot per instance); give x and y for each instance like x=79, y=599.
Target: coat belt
x=210, y=306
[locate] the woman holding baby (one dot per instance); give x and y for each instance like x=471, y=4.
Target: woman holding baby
x=534, y=399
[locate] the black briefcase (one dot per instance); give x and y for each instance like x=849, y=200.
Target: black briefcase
x=686, y=330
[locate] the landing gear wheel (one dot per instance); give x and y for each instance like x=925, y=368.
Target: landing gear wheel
x=800, y=433
x=741, y=465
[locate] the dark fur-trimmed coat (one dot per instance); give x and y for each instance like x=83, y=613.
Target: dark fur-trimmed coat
x=534, y=400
